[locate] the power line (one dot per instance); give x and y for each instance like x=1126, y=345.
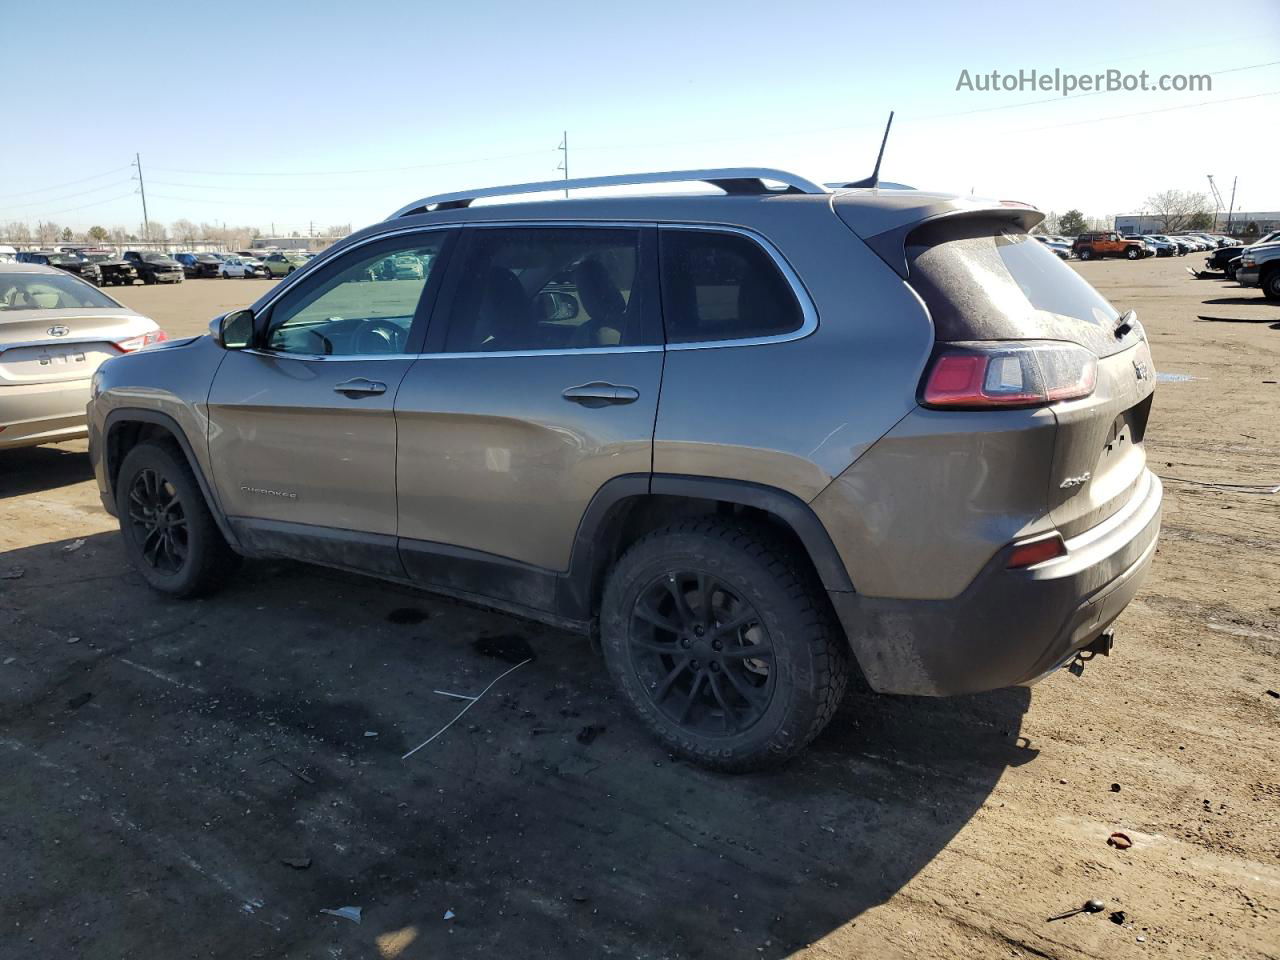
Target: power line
x=59, y=186
x=339, y=173
x=69, y=196
x=1143, y=113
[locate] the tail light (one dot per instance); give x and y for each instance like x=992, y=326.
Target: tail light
x=145, y=340
x=1036, y=551
x=1012, y=373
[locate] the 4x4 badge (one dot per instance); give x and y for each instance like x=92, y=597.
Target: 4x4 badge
x=1140, y=368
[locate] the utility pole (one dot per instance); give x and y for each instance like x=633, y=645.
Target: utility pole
x=146, y=223
x=1232, y=207
x=564, y=162
x=1217, y=202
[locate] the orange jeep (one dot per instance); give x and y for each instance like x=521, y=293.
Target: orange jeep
x=1090, y=245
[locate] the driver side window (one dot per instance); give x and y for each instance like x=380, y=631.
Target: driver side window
x=362, y=304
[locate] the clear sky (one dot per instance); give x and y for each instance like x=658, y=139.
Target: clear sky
x=289, y=113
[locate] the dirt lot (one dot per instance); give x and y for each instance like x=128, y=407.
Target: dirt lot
x=162, y=759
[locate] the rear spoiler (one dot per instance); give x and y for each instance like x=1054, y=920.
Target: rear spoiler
x=893, y=228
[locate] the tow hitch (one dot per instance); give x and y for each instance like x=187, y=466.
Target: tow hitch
x=1101, y=645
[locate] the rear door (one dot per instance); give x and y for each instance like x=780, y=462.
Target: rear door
x=301, y=430
x=984, y=280
x=540, y=386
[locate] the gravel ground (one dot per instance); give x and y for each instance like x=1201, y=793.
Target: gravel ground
x=204, y=779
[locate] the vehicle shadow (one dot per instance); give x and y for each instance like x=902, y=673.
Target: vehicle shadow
x=32, y=469
x=270, y=722
x=1250, y=301
x=1269, y=320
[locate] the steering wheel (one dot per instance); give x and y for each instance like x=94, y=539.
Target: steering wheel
x=380, y=336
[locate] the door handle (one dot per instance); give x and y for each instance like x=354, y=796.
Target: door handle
x=599, y=394
x=360, y=387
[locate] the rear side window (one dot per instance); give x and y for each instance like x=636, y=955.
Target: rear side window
x=723, y=286
x=548, y=288
x=985, y=279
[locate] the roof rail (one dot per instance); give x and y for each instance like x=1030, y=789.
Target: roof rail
x=732, y=180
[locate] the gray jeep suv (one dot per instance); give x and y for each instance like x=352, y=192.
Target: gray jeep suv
x=757, y=440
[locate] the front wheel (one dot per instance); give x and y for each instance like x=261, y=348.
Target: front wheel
x=169, y=534
x=723, y=644
x=1133, y=253
x=1271, y=285
x=1085, y=254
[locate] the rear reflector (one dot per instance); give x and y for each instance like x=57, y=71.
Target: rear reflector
x=137, y=343
x=1008, y=373
x=1037, y=551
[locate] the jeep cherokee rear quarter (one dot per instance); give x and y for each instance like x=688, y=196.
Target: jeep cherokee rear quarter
x=745, y=435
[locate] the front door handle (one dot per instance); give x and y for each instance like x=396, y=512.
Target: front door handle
x=599, y=394
x=360, y=387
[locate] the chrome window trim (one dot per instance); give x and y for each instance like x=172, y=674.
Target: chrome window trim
x=808, y=310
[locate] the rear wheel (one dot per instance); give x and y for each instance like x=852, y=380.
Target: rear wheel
x=1271, y=285
x=169, y=534
x=722, y=644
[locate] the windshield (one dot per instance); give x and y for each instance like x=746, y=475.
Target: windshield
x=43, y=291
x=156, y=258
x=985, y=280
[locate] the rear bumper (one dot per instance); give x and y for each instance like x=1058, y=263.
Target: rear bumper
x=1009, y=627
x=42, y=413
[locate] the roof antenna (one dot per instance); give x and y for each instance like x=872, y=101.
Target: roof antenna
x=874, y=179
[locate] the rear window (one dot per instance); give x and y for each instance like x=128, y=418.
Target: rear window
x=43, y=291
x=985, y=279
x=723, y=286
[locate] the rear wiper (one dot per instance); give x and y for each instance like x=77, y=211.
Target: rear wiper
x=1125, y=323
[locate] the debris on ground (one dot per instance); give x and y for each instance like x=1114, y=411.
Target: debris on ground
x=449, y=914
x=1120, y=841
x=298, y=863
x=1115, y=788
x=407, y=616
x=346, y=913
x=588, y=733
x=79, y=700
x=1117, y=917
x=1089, y=906
x=73, y=639
x=297, y=773
x=9, y=660
x=12, y=573
x=371, y=733
x=473, y=701
x=1270, y=693
x=74, y=545
x=507, y=647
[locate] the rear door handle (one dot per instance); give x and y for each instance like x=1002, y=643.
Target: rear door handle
x=599, y=394
x=360, y=387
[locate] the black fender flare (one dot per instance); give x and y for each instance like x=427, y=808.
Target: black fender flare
x=578, y=584
x=112, y=457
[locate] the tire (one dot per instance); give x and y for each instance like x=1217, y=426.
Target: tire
x=776, y=702
x=185, y=555
x=1270, y=284
x=290, y=270
x=1230, y=270
x=148, y=279
x=1086, y=253
x=1133, y=253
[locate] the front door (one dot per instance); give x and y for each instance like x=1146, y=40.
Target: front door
x=302, y=433
x=540, y=387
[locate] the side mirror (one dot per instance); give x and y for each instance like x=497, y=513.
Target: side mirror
x=234, y=331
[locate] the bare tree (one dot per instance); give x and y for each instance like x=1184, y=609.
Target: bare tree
x=1176, y=208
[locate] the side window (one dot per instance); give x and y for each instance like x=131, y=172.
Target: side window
x=548, y=288
x=722, y=286
x=361, y=304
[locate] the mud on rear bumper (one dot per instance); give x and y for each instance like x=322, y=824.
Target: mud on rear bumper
x=1009, y=627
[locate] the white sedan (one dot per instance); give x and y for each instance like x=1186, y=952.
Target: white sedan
x=241, y=267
